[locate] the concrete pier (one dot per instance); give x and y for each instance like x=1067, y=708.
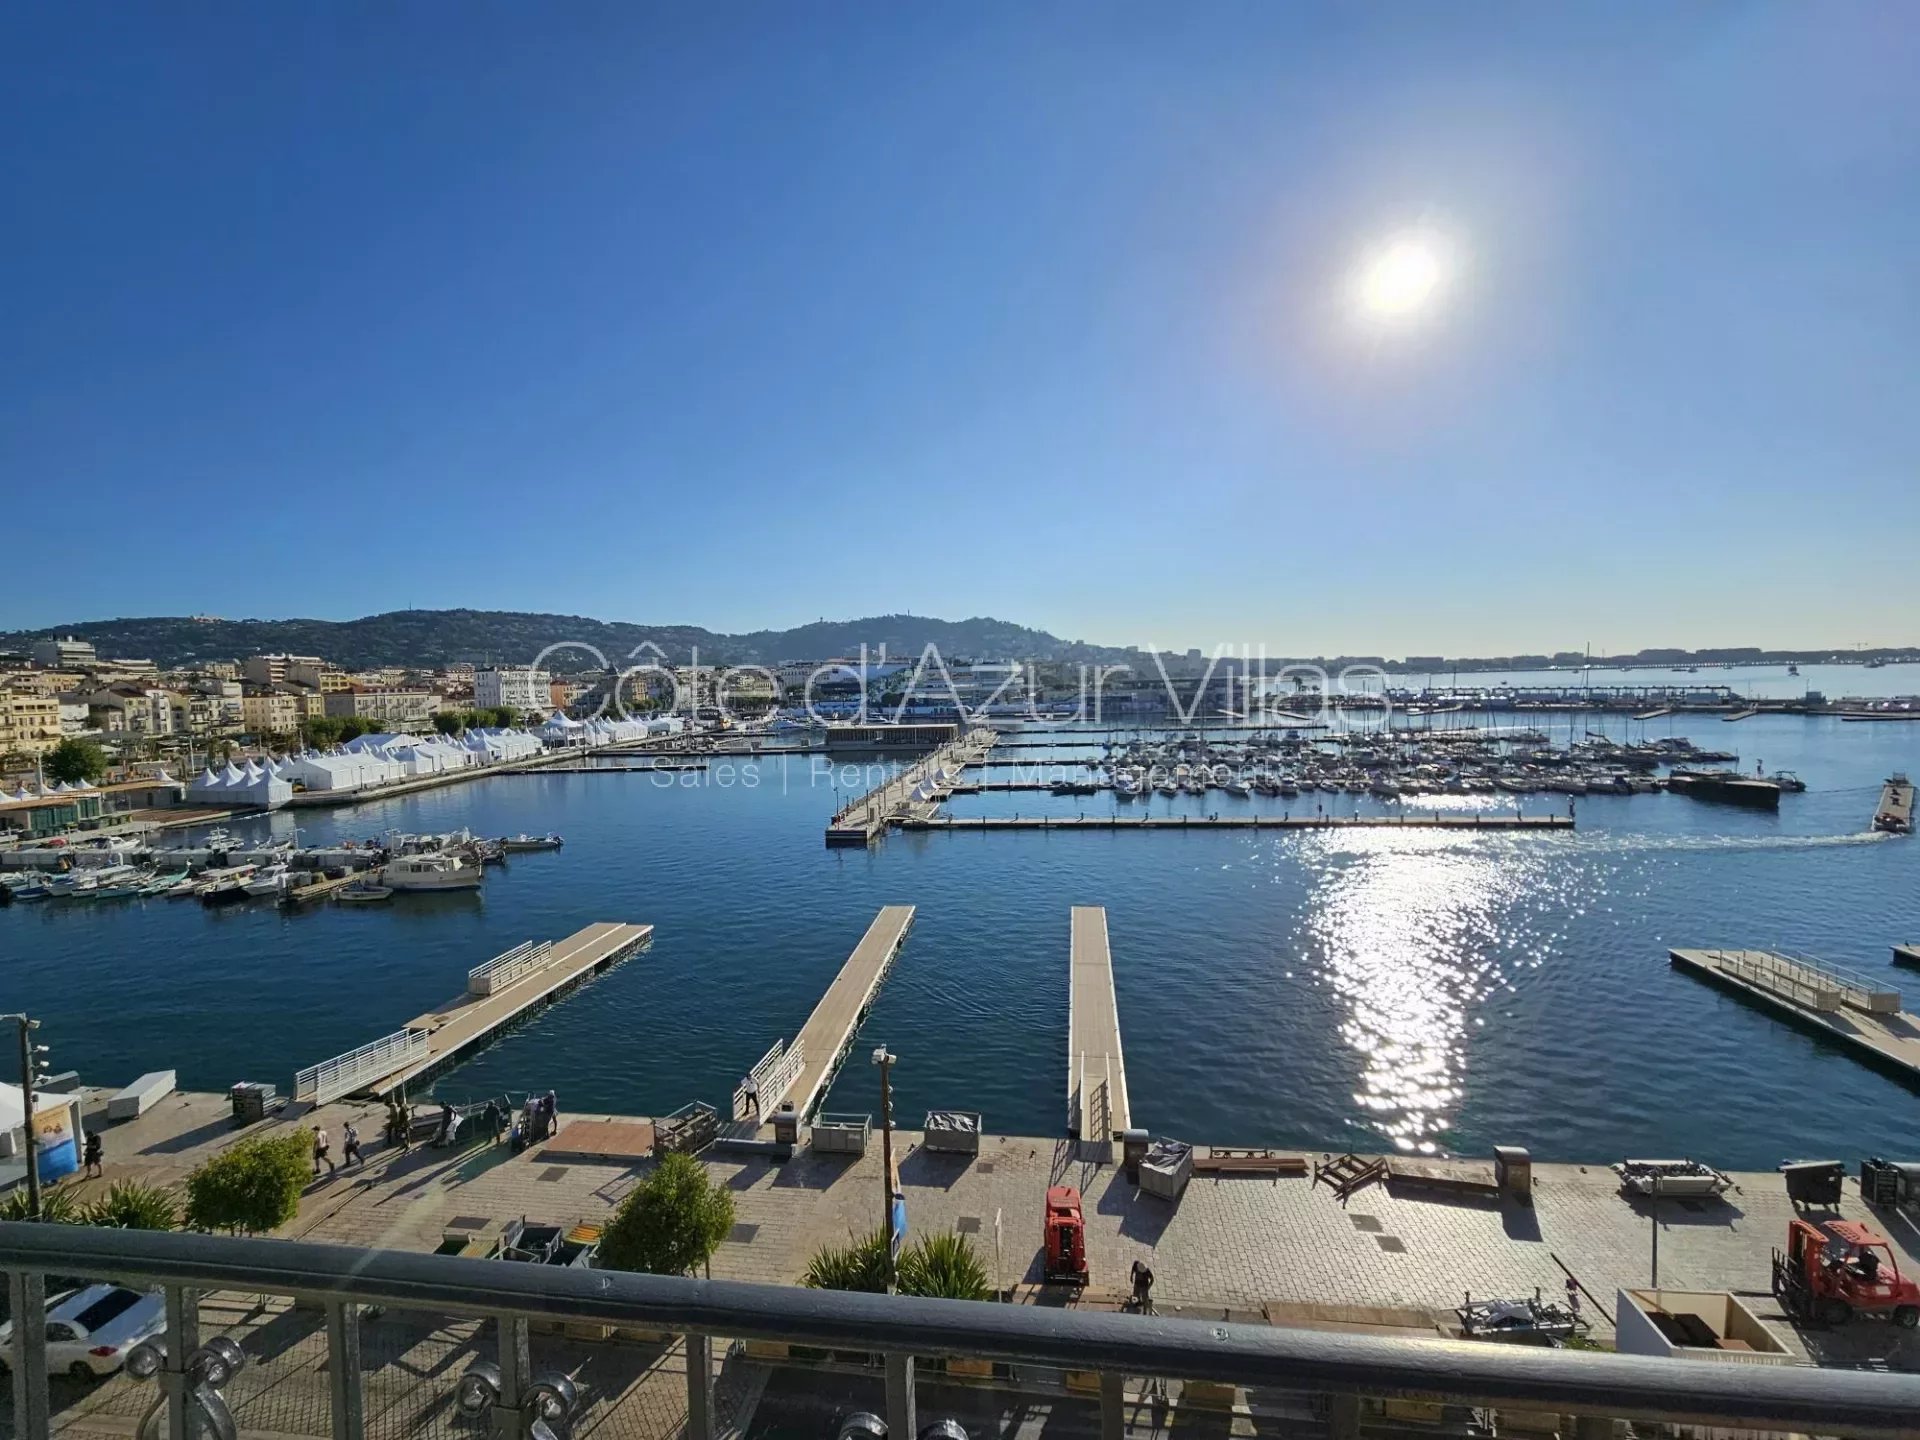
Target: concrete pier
x=914, y=792
x=1851, y=1010
x=1097, y=1105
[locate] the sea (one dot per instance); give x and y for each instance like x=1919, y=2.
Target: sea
x=1435, y=992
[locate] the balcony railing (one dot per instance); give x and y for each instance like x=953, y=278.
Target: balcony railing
x=1339, y=1371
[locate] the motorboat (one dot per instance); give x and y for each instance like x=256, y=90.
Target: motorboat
x=274, y=879
x=430, y=872
x=514, y=844
x=224, y=885
x=164, y=884
x=1238, y=788
x=362, y=892
x=80, y=882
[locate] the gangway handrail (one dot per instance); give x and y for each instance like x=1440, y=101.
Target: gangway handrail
x=509, y=966
x=345, y=1073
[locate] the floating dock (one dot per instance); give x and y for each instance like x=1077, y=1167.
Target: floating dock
x=803, y=1071
x=498, y=993
x=1097, y=1108
x=1477, y=821
x=1851, y=1009
x=915, y=792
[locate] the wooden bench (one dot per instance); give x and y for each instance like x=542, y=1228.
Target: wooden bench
x=1223, y=1161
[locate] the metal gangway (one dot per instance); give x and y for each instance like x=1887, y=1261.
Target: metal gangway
x=509, y=966
x=344, y=1074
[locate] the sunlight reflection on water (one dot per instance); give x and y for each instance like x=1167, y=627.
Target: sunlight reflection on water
x=1409, y=936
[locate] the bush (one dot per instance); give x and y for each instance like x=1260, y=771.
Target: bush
x=56, y=1206
x=132, y=1205
x=670, y=1223
x=857, y=1265
x=253, y=1187
x=944, y=1267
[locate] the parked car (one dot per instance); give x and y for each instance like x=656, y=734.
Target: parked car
x=90, y=1331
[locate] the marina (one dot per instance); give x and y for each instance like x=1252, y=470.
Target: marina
x=1855, y=1010
x=916, y=790
x=1477, y=820
x=1097, y=1106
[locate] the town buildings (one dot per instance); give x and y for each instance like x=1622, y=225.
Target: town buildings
x=517, y=689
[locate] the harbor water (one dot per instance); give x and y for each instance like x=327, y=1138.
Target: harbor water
x=1363, y=989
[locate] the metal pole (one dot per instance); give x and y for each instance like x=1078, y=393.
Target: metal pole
x=699, y=1387
x=27, y=1027
x=183, y=1338
x=28, y=1294
x=1653, y=1214
x=901, y=1420
x=885, y=1061
x=343, y=1370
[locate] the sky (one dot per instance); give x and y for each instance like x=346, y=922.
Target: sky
x=748, y=315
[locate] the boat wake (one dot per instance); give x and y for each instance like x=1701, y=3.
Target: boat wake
x=1625, y=843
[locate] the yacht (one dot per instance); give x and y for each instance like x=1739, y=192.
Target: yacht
x=430, y=872
x=274, y=879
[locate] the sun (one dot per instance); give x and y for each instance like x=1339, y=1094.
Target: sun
x=1400, y=279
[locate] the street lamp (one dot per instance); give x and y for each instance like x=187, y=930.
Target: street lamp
x=888, y=1188
x=30, y=1076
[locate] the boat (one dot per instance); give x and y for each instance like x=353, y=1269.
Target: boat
x=224, y=885
x=274, y=879
x=430, y=872
x=1727, y=787
x=81, y=882
x=1787, y=780
x=163, y=884
x=1238, y=788
x=514, y=844
x=362, y=892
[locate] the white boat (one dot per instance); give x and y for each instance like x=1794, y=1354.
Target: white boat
x=362, y=892
x=274, y=879
x=79, y=882
x=1238, y=788
x=430, y=872
x=514, y=844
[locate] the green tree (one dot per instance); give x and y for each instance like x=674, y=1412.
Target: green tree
x=858, y=1265
x=944, y=1266
x=449, y=722
x=352, y=727
x=320, y=730
x=75, y=759
x=500, y=716
x=253, y=1187
x=134, y=1205
x=671, y=1222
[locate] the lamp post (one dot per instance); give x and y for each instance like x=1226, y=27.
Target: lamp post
x=885, y=1062
x=29, y=1067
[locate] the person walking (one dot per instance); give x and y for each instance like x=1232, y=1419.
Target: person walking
x=321, y=1146
x=96, y=1152
x=495, y=1117
x=350, y=1146
x=1142, y=1287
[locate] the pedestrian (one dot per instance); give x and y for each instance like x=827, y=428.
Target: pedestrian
x=493, y=1121
x=95, y=1152
x=1573, y=1296
x=753, y=1100
x=1142, y=1287
x=321, y=1145
x=350, y=1148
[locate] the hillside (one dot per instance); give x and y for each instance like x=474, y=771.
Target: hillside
x=437, y=637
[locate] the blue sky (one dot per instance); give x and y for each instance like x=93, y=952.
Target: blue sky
x=745, y=315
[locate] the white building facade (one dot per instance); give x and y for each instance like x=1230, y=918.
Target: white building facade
x=517, y=689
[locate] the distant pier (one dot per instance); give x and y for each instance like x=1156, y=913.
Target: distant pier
x=1430, y=821
x=1851, y=1009
x=1097, y=1104
x=915, y=791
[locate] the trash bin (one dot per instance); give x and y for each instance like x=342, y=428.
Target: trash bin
x=1133, y=1149
x=786, y=1124
x=1513, y=1172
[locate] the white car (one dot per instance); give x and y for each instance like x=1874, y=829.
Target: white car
x=90, y=1331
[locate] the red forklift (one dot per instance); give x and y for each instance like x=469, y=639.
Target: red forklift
x=1834, y=1270
x=1064, y=1254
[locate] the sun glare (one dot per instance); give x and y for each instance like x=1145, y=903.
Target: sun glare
x=1400, y=279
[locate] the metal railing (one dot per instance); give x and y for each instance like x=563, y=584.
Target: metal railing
x=344, y=1074
x=1340, y=1369
x=508, y=966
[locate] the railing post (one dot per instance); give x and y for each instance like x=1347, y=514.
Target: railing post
x=28, y=1294
x=343, y=1370
x=183, y=1338
x=1343, y=1417
x=1113, y=1412
x=510, y=1418
x=900, y=1410
x=699, y=1351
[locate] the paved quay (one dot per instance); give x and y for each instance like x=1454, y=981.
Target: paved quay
x=1245, y=1248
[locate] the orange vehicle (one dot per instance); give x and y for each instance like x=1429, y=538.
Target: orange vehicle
x=1065, y=1241
x=1834, y=1270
